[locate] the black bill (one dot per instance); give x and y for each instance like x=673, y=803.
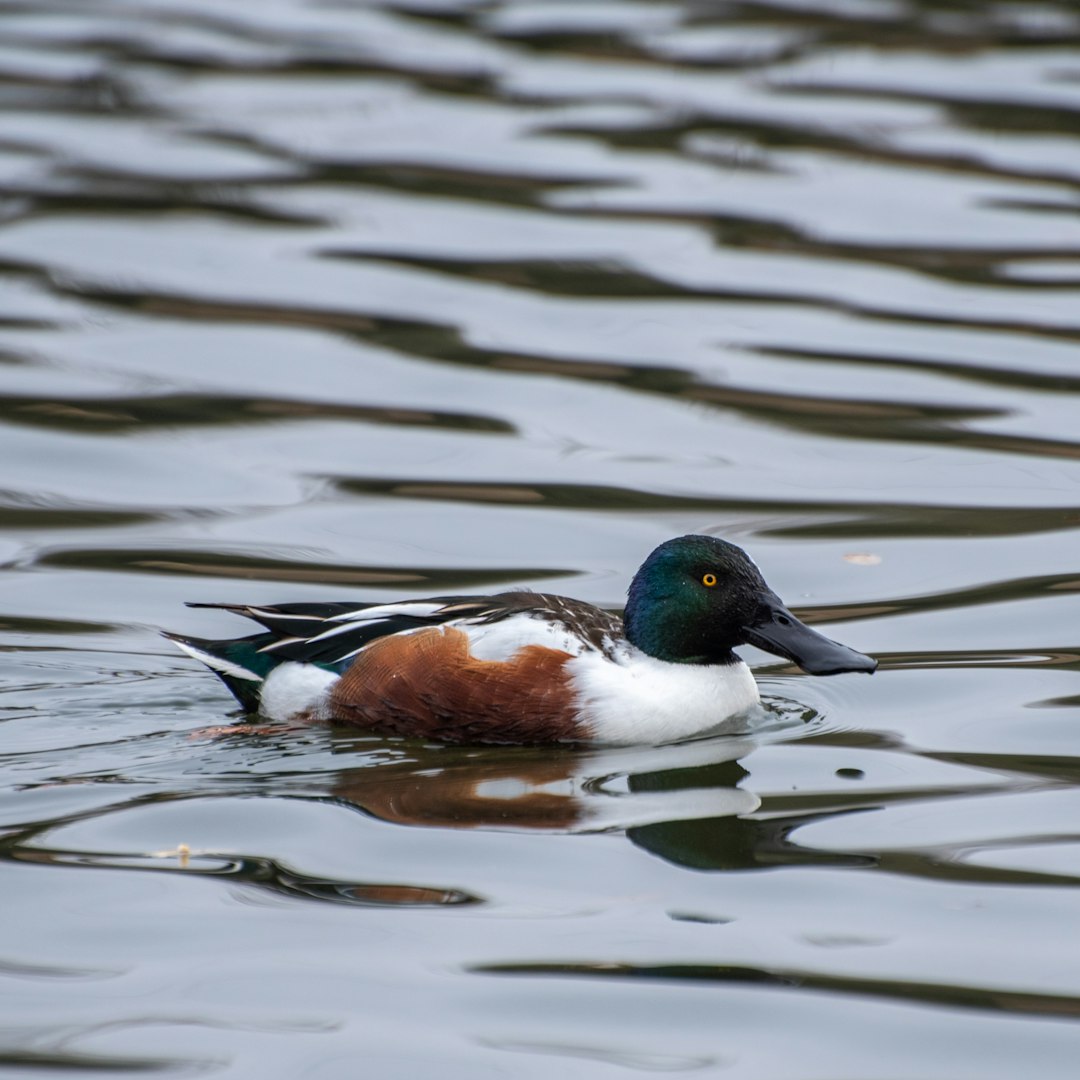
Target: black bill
x=776, y=630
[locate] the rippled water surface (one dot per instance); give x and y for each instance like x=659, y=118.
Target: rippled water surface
x=346, y=300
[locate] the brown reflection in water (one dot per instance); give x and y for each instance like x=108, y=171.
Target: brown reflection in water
x=1017, y=378
x=954, y=995
x=516, y=791
x=367, y=894
x=88, y=415
x=1063, y=659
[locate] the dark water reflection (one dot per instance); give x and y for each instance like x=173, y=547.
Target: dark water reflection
x=359, y=299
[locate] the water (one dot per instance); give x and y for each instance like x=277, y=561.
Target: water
x=351, y=300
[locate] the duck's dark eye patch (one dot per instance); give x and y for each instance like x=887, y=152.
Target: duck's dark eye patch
x=783, y=620
x=708, y=580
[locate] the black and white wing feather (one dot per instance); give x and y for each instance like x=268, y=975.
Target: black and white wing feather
x=333, y=633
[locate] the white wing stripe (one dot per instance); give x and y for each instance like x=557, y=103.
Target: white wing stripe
x=332, y=632
x=280, y=641
x=262, y=613
x=216, y=663
x=385, y=611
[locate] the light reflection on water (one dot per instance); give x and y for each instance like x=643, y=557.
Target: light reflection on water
x=365, y=300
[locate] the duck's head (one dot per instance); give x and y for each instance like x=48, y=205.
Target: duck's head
x=696, y=597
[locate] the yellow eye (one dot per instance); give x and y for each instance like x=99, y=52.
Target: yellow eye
x=709, y=580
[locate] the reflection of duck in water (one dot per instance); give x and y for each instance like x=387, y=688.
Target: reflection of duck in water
x=686, y=803
x=550, y=790
x=524, y=667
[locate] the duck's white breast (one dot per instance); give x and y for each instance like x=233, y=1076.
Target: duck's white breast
x=638, y=698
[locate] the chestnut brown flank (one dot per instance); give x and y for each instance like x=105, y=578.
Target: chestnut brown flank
x=428, y=684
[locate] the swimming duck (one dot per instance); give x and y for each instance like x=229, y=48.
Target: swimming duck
x=527, y=667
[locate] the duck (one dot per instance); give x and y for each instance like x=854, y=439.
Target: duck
x=523, y=667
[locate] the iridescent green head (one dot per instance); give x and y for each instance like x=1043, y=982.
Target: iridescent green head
x=697, y=597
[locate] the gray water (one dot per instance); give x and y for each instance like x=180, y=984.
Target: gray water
x=352, y=300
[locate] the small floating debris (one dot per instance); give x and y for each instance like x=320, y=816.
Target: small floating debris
x=182, y=854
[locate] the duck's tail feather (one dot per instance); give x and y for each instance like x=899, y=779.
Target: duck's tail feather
x=237, y=662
